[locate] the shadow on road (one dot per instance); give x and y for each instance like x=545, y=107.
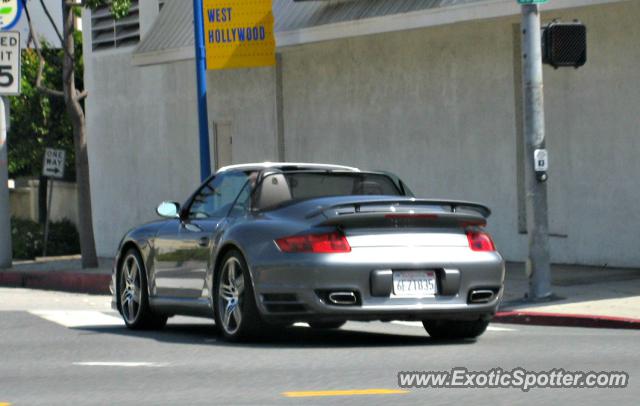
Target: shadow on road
x=291, y=337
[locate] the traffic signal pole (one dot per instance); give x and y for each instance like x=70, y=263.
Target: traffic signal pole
x=538, y=262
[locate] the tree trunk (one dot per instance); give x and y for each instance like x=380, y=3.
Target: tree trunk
x=76, y=115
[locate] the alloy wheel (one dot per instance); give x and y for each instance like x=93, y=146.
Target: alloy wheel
x=130, y=292
x=230, y=295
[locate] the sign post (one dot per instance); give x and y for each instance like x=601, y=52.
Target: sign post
x=201, y=91
x=52, y=168
x=10, y=12
x=228, y=34
x=536, y=163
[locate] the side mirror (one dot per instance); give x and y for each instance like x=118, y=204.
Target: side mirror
x=169, y=210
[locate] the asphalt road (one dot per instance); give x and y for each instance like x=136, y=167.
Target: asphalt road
x=58, y=348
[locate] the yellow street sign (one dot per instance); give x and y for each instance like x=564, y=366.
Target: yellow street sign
x=238, y=33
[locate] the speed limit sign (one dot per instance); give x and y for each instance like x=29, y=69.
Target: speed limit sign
x=9, y=63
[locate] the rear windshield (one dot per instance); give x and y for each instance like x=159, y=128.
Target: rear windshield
x=310, y=185
x=287, y=186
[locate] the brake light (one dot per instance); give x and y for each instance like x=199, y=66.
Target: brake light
x=316, y=243
x=480, y=241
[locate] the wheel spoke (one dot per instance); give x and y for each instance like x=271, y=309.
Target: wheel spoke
x=231, y=272
x=134, y=271
x=125, y=270
x=226, y=292
x=136, y=295
x=228, y=310
x=132, y=314
x=237, y=315
x=239, y=284
x=123, y=297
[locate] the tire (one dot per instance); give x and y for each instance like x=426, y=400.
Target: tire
x=455, y=329
x=326, y=325
x=235, y=310
x=133, y=296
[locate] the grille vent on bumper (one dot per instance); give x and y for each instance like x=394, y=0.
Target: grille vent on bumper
x=282, y=303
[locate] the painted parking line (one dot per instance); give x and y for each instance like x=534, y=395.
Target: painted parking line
x=121, y=364
x=5, y=404
x=353, y=392
x=78, y=318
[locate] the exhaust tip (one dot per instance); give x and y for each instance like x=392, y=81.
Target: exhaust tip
x=481, y=296
x=343, y=298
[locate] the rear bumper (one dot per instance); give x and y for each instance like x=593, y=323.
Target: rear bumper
x=297, y=289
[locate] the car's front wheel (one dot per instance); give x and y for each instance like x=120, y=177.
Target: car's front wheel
x=133, y=296
x=455, y=329
x=235, y=309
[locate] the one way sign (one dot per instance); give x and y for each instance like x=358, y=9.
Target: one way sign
x=53, y=165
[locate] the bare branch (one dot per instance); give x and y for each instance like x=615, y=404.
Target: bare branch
x=41, y=62
x=81, y=96
x=53, y=23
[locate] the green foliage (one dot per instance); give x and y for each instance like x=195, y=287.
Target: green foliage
x=38, y=120
x=119, y=8
x=27, y=238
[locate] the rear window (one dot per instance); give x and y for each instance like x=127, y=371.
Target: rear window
x=280, y=188
x=311, y=185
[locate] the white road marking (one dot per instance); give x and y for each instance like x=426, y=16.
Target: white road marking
x=419, y=324
x=492, y=328
x=122, y=364
x=78, y=318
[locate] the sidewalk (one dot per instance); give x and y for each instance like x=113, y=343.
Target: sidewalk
x=59, y=273
x=584, y=297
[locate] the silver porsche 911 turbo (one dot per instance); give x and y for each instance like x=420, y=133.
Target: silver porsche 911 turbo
x=262, y=246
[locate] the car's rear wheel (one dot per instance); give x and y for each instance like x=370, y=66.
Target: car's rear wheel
x=133, y=296
x=235, y=309
x=326, y=325
x=455, y=329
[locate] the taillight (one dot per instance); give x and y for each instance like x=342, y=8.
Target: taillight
x=316, y=243
x=480, y=241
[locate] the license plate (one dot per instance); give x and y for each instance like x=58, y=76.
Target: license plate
x=414, y=284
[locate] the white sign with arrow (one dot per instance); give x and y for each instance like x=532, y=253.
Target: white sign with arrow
x=53, y=165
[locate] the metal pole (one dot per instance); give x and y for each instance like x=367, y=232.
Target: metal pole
x=201, y=90
x=47, y=217
x=538, y=264
x=5, y=212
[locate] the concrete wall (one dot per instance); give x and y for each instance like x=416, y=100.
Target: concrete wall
x=245, y=98
x=436, y=106
x=64, y=202
x=142, y=141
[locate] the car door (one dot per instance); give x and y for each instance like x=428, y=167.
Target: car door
x=183, y=247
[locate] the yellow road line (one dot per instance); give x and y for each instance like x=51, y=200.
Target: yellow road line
x=5, y=404
x=355, y=392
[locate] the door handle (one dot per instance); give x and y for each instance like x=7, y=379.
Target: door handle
x=203, y=242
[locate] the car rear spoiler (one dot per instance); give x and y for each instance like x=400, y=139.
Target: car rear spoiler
x=402, y=213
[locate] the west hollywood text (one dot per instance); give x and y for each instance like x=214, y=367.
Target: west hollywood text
x=231, y=35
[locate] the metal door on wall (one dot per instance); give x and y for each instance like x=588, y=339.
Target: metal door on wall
x=223, y=143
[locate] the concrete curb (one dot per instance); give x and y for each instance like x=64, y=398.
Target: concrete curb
x=78, y=282
x=565, y=320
